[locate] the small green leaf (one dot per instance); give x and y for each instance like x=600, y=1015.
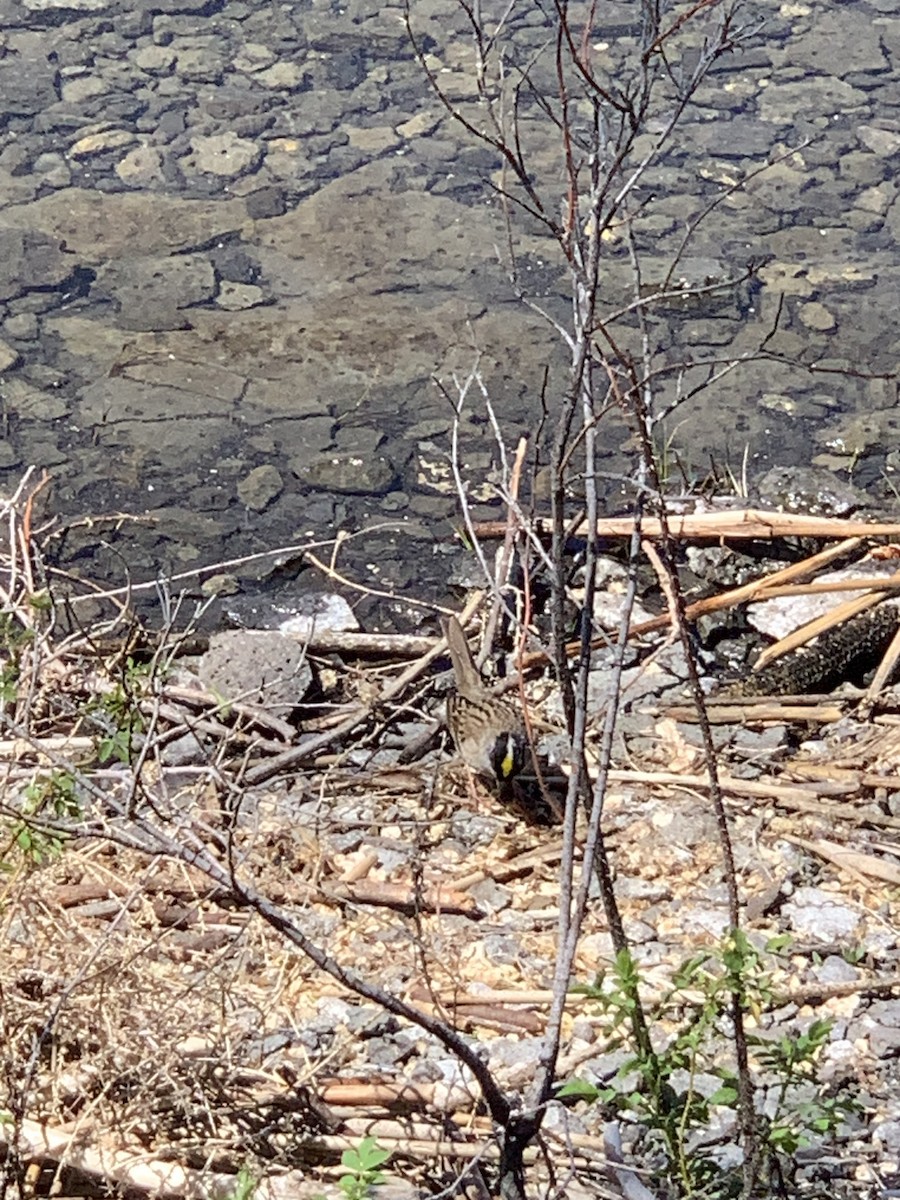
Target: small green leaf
x=580, y=1088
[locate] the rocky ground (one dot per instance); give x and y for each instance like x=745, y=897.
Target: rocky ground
x=239, y=239
x=183, y=1040
x=161, y=1035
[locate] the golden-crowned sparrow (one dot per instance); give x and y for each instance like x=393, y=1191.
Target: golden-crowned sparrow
x=489, y=732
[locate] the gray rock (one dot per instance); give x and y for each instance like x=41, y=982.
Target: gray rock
x=134, y=413
x=346, y=69
x=809, y=490
x=151, y=292
x=491, y=896
x=80, y=6
x=390, y=1051
x=199, y=60
x=267, y=399
x=883, y=142
x=817, y=915
x=838, y=44
x=884, y=1042
x=235, y=297
x=258, y=489
x=225, y=155
x=695, y=919
x=180, y=6
x=684, y=1081
x=519, y=1053
x=359, y=440
x=782, y=615
x=252, y=57
x=29, y=82
x=31, y=403
x=817, y=317
x=97, y=226
x=887, y=1136
x=296, y=617
x=156, y=60
x=583, y=1031
x=22, y=326
x=213, y=383
x=183, y=750
x=315, y=611
x=784, y=103
x=261, y=668
x=265, y=202
x=29, y=259
x=282, y=77
x=347, y=473
x=53, y=169
x=8, y=357
x=234, y=263
x=220, y=585
x=101, y=142
x=835, y=969
x=9, y=456
x=141, y=167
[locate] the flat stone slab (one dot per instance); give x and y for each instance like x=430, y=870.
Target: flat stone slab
x=97, y=226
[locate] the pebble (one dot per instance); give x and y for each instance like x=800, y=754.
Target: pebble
x=262, y=668
x=53, y=169
x=253, y=57
x=816, y=316
x=236, y=296
x=157, y=60
x=22, y=327
x=316, y=611
x=820, y=917
x=220, y=585
x=373, y=140
x=83, y=88
x=100, y=143
x=8, y=357
x=348, y=473
x=258, y=489
x=281, y=77
x=226, y=155
x=141, y=167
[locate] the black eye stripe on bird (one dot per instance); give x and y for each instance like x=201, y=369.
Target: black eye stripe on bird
x=489, y=732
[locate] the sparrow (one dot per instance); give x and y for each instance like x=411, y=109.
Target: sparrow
x=489, y=733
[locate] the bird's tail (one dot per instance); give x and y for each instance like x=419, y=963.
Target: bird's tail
x=468, y=680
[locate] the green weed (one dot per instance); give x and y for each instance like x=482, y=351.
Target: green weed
x=244, y=1185
x=363, y=1169
x=118, y=713
x=52, y=796
x=661, y=1087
